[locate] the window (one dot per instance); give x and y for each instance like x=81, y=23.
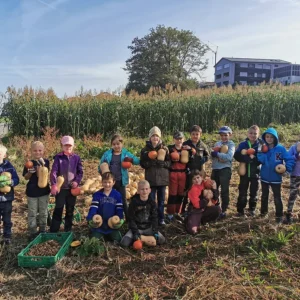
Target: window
x=258, y=75
x=226, y=74
x=259, y=66
x=267, y=67
x=263, y=75
x=226, y=66
x=219, y=76
x=219, y=68
x=243, y=65
x=250, y=75
x=276, y=66
x=225, y=82
x=218, y=84
x=251, y=65
x=243, y=74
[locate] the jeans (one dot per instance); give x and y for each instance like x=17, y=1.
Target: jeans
x=5, y=216
x=122, y=190
x=276, y=188
x=161, y=195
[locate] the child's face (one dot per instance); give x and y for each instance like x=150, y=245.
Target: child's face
x=225, y=137
x=154, y=139
x=117, y=146
x=2, y=156
x=178, y=142
x=68, y=148
x=208, y=194
x=195, y=136
x=253, y=135
x=269, y=138
x=144, y=191
x=108, y=184
x=197, y=179
x=37, y=152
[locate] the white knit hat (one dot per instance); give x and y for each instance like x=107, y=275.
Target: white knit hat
x=154, y=130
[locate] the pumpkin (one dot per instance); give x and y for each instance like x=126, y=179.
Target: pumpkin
x=133, y=191
x=75, y=192
x=184, y=158
x=75, y=244
x=113, y=221
x=280, y=169
x=251, y=151
x=194, y=151
x=29, y=164
x=152, y=154
x=224, y=149
x=148, y=240
x=7, y=174
x=141, y=176
x=264, y=148
x=137, y=245
x=244, y=152
x=126, y=164
x=161, y=154
x=5, y=189
x=208, y=183
x=175, y=156
x=242, y=169
x=97, y=220
x=217, y=148
x=87, y=185
x=128, y=196
x=59, y=182
x=42, y=174
x=104, y=167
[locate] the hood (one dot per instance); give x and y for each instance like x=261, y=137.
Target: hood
x=273, y=132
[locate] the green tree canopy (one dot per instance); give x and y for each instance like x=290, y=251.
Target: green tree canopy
x=165, y=55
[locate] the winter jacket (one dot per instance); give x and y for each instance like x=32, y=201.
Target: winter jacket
x=275, y=156
x=70, y=167
x=106, y=207
x=194, y=194
x=294, y=153
x=201, y=157
x=142, y=215
x=224, y=160
x=156, y=172
x=176, y=166
x=252, y=163
x=6, y=166
x=107, y=157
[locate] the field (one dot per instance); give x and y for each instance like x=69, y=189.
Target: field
x=232, y=259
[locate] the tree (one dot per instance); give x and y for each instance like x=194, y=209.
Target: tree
x=165, y=55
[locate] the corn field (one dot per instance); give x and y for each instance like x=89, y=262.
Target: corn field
x=30, y=111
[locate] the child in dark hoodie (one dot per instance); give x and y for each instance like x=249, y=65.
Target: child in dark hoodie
x=275, y=155
x=250, y=179
x=156, y=171
x=142, y=213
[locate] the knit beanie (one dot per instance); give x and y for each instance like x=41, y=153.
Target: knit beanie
x=154, y=130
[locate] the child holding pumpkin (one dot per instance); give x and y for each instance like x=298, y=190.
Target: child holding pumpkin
x=8, y=180
x=246, y=155
x=222, y=156
x=106, y=203
x=119, y=160
x=142, y=213
x=271, y=172
x=156, y=162
x=204, y=204
x=198, y=156
x=67, y=167
x=177, y=176
x=37, y=197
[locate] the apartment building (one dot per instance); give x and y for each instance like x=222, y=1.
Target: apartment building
x=287, y=75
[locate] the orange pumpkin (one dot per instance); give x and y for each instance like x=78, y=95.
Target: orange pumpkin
x=137, y=245
x=152, y=154
x=175, y=156
x=75, y=192
x=208, y=183
x=29, y=164
x=126, y=164
x=251, y=151
x=264, y=148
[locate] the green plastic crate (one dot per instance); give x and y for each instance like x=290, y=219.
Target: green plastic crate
x=64, y=239
x=77, y=215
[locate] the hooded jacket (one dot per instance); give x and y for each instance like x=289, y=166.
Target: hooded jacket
x=275, y=156
x=6, y=166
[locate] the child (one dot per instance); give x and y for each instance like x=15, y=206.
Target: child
x=275, y=155
x=156, y=171
x=68, y=165
x=37, y=197
x=203, y=203
x=221, y=165
x=9, y=179
x=198, y=156
x=142, y=213
x=177, y=176
x=114, y=157
x=294, y=182
x=107, y=203
x=252, y=171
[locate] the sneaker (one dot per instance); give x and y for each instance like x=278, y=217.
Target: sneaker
x=252, y=213
x=288, y=219
x=7, y=241
x=278, y=220
x=264, y=216
x=222, y=215
x=240, y=215
x=162, y=223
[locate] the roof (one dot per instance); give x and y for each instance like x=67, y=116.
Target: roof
x=256, y=60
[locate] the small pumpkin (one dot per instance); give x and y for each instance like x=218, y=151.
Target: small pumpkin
x=97, y=219
x=75, y=244
x=76, y=192
x=104, y=167
x=175, y=156
x=59, y=182
x=224, y=149
x=244, y=151
x=161, y=154
x=208, y=183
x=148, y=240
x=251, y=151
x=137, y=245
x=29, y=164
x=264, y=148
x=43, y=173
x=280, y=169
x=152, y=154
x=242, y=169
x=126, y=164
x=113, y=221
x=184, y=159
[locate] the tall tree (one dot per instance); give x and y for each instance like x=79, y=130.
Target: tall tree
x=165, y=55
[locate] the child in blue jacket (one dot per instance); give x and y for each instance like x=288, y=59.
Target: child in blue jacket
x=275, y=155
x=107, y=203
x=114, y=158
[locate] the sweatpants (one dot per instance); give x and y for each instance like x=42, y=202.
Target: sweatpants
x=64, y=197
x=276, y=188
x=37, y=206
x=294, y=191
x=245, y=182
x=128, y=239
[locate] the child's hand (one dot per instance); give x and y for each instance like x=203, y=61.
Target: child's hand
x=214, y=185
x=31, y=170
x=252, y=156
x=137, y=237
x=92, y=224
x=117, y=226
x=214, y=154
x=297, y=156
x=54, y=190
x=74, y=185
x=156, y=236
x=186, y=147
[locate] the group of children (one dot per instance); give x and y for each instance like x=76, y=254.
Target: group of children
x=193, y=198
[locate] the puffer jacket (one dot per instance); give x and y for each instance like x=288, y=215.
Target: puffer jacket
x=6, y=166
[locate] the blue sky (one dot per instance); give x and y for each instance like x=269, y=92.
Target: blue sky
x=66, y=44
